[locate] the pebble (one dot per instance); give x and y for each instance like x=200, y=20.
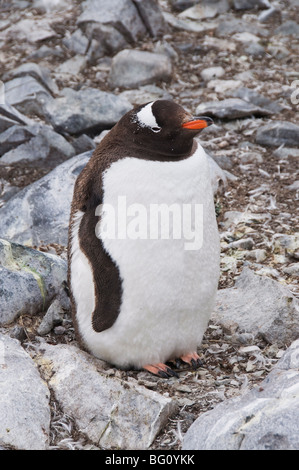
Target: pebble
x=211, y=73
x=132, y=68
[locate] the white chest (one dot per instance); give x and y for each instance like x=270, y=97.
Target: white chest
x=169, y=268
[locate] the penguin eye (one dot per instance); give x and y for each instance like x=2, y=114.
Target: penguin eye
x=156, y=129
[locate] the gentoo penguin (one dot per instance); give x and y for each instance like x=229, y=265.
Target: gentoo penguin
x=142, y=293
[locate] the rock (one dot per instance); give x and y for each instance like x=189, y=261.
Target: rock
x=41, y=74
x=189, y=25
x=261, y=306
x=294, y=186
x=24, y=400
x=212, y=72
x=288, y=28
x=72, y=66
x=292, y=270
x=286, y=153
x=250, y=4
x=237, y=25
x=200, y=12
x=131, y=68
x=84, y=111
x=7, y=190
x=27, y=95
x=47, y=6
x=76, y=42
x=269, y=14
x=179, y=5
x=122, y=16
x=255, y=50
x=31, y=30
x=51, y=319
x=278, y=133
x=252, y=96
x=151, y=15
x=224, y=86
x=14, y=136
x=29, y=280
x=13, y=116
x=46, y=148
x=246, y=37
x=115, y=413
x=40, y=212
x=264, y=418
x=232, y=218
x=231, y=108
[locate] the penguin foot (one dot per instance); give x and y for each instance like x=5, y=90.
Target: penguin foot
x=192, y=359
x=161, y=370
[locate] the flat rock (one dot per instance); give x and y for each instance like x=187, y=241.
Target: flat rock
x=261, y=306
x=132, y=68
x=211, y=73
x=40, y=212
x=45, y=147
x=86, y=110
x=122, y=15
x=250, y=4
x=232, y=25
x=252, y=96
x=14, y=136
x=32, y=30
x=278, y=133
x=41, y=74
x=117, y=414
x=24, y=400
x=29, y=280
x=231, y=108
x=27, y=94
x=264, y=418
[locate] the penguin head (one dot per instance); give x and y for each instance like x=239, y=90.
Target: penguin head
x=164, y=127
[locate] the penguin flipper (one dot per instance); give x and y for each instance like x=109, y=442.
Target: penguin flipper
x=107, y=282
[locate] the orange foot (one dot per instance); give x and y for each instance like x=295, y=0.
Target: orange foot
x=161, y=370
x=192, y=359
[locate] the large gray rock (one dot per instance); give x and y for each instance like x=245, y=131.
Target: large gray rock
x=132, y=68
x=278, y=133
x=29, y=280
x=31, y=69
x=132, y=19
x=27, y=94
x=89, y=109
x=122, y=15
x=112, y=413
x=264, y=418
x=231, y=108
x=45, y=147
x=40, y=212
x=24, y=400
x=260, y=306
x=14, y=136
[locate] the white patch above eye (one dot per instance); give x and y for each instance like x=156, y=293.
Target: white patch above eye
x=146, y=118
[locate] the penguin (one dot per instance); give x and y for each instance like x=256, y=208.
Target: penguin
x=142, y=293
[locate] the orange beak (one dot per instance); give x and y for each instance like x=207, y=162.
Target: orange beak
x=198, y=123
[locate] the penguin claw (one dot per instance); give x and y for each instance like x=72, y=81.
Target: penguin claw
x=161, y=370
x=192, y=359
